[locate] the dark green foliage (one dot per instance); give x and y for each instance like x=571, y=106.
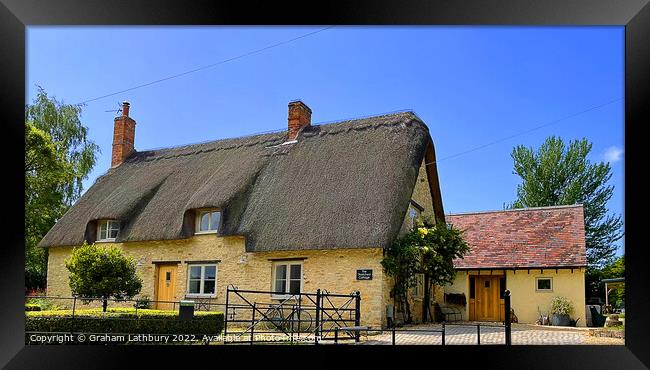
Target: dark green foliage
x=428, y=249
x=143, y=302
x=102, y=272
x=124, y=320
x=58, y=157
x=595, y=286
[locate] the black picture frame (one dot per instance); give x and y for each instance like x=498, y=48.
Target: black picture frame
x=16, y=15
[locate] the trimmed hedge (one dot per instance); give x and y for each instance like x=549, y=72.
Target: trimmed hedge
x=124, y=320
x=32, y=307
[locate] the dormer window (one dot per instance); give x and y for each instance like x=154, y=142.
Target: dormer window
x=107, y=230
x=208, y=221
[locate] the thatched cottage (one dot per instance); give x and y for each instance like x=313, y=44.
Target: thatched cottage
x=295, y=210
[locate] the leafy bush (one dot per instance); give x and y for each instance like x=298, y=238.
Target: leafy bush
x=43, y=303
x=561, y=306
x=143, y=302
x=32, y=307
x=124, y=321
x=98, y=271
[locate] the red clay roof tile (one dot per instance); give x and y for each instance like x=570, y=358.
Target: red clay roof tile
x=524, y=238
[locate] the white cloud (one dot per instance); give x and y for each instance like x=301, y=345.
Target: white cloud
x=613, y=154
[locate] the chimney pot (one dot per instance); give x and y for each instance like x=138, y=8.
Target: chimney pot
x=125, y=108
x=299, y=118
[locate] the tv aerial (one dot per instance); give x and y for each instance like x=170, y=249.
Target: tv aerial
x=117, y=111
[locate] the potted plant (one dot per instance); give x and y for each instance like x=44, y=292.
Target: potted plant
x=561, y=310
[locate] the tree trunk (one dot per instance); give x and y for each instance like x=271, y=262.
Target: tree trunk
x=426, y=299
x=407, y=308
x=105, y=304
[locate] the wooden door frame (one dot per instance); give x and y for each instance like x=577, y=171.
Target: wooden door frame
x=158, y=265
x=473, y=305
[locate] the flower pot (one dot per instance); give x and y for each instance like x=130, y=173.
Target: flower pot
x=560, y=320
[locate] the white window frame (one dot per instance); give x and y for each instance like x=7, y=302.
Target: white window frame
x=417, y=291
x=287, y=263
x=110, y=226
x=202, y=280
x=199, y=215
x=537, y=279
x=411, y=218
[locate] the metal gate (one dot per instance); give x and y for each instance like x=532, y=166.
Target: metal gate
x=254, y=316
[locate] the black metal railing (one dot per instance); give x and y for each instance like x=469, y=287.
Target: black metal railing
x=266, y=316
x=74, y=310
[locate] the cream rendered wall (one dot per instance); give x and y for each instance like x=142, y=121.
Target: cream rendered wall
x=525, y=299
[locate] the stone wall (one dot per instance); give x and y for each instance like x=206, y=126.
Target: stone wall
x=334, y=270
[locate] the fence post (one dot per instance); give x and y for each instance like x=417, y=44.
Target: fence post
x=225, y=320
x=478, y=333
x=316, y=329
x=357, y=314
x=253, y=323
x=336, y=334
x=299, y=310
x=74, y=308
x=443, y=333
x=292, y=318
x=393, y=329
x=508, y=324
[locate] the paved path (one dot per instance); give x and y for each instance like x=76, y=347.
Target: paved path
x=457, y=334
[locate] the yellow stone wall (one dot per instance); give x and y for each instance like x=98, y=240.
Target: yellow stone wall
x=525, y=300
x=334, y=270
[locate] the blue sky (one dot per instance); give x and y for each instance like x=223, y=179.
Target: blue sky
x=471, y=85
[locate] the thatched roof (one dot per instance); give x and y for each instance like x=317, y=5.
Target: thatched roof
x=341, y=185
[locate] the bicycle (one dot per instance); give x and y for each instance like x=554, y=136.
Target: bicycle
x=296, y=319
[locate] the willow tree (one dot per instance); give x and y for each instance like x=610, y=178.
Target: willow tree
x=428, y=248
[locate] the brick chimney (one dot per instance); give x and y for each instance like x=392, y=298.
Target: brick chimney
x=123, y=136
x=299, y=118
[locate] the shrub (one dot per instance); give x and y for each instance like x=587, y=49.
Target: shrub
x=124, y=321
x=43, y=303
x=32, y=307
x=143, y=302
x=561, y=306
x=98, y=271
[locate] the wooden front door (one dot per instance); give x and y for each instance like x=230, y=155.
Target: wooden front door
x=487, y=298
x=166, y=286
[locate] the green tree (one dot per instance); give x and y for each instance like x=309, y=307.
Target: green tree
x=557, y=174
x=58, y=157
x=616, y=269
x=102, y=272
x=429, y=249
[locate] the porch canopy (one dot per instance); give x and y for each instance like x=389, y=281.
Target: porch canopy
x=611, y=285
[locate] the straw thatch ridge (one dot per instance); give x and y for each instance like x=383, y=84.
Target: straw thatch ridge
x=341, y=185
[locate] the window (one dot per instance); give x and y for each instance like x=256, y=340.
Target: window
x=202, y=280
x=418, y=290
x=472, y=287
x=107, y=230
x=208, y=222
x=287, y=278
x=413, y=214
x=544, y=284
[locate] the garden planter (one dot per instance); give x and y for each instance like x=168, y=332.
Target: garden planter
x=560, y=320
